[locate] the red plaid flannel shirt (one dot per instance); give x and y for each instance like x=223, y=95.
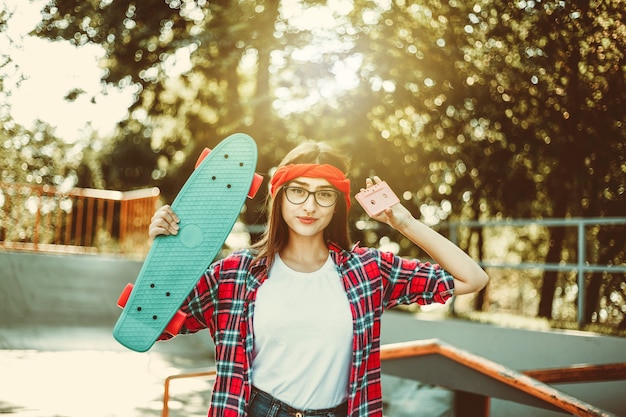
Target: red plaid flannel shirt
x=223, y=302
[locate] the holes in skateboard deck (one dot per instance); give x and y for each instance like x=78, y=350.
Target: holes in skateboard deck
x=214, y=178
x=167, y=294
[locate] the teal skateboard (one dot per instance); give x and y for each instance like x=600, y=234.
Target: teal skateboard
x=208, y=205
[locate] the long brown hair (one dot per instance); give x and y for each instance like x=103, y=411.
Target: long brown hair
x=276, y=234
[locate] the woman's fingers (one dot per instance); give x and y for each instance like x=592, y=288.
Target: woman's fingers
x=371, y=181
x=164, y=222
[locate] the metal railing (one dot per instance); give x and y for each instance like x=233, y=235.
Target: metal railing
x=582, y=266
x=49, y=219
x=210, y=374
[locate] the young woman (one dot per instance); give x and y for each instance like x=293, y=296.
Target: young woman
x=296, y=318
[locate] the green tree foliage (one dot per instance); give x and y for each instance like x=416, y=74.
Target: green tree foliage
x=187, y=62
x=557, y=72
x=485, y=109
x=30, y=156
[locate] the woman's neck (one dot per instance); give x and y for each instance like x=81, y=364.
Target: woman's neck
x=304, y=255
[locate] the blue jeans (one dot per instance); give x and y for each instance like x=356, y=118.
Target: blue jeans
x=263, y=404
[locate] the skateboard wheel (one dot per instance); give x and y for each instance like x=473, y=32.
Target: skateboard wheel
x=257, y=180
x=205, y=152
x=173, y=327
x=123, y=298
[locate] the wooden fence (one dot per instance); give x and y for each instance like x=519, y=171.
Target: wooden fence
x=81, y=220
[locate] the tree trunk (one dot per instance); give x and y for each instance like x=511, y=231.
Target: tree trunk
x=550, y=277
x=262, y=126
x=592, y=297
x=556, y=239
x=479, y=301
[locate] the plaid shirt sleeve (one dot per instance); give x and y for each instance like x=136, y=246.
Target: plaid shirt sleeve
x=219, y=303
x=199, y=304
x=374, y=282
x=408, y=281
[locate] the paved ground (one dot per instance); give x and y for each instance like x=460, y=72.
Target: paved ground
x=81, y=372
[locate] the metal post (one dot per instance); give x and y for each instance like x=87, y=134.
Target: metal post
x=454, y=239
x=581, y=274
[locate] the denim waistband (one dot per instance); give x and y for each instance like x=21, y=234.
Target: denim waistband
x=339, y=411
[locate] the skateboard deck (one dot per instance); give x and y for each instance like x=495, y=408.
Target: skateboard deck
x=207, y=205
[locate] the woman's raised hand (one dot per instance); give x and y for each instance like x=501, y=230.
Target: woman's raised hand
x=164, y=222
x=395, y=216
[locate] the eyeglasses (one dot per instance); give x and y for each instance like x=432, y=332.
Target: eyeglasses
x=298, y=195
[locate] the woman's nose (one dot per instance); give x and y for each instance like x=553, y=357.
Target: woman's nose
x=310, y=203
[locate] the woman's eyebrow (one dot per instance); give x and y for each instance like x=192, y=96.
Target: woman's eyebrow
x=307, y=185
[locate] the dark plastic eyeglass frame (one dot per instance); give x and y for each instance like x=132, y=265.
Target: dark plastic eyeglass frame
x=309, y=195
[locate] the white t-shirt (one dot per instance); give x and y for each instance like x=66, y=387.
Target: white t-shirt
x=302, y=337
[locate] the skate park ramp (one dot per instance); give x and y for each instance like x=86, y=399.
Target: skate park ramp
x=56, y=302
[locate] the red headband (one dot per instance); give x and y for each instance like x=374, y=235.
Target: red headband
x=330, y=173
